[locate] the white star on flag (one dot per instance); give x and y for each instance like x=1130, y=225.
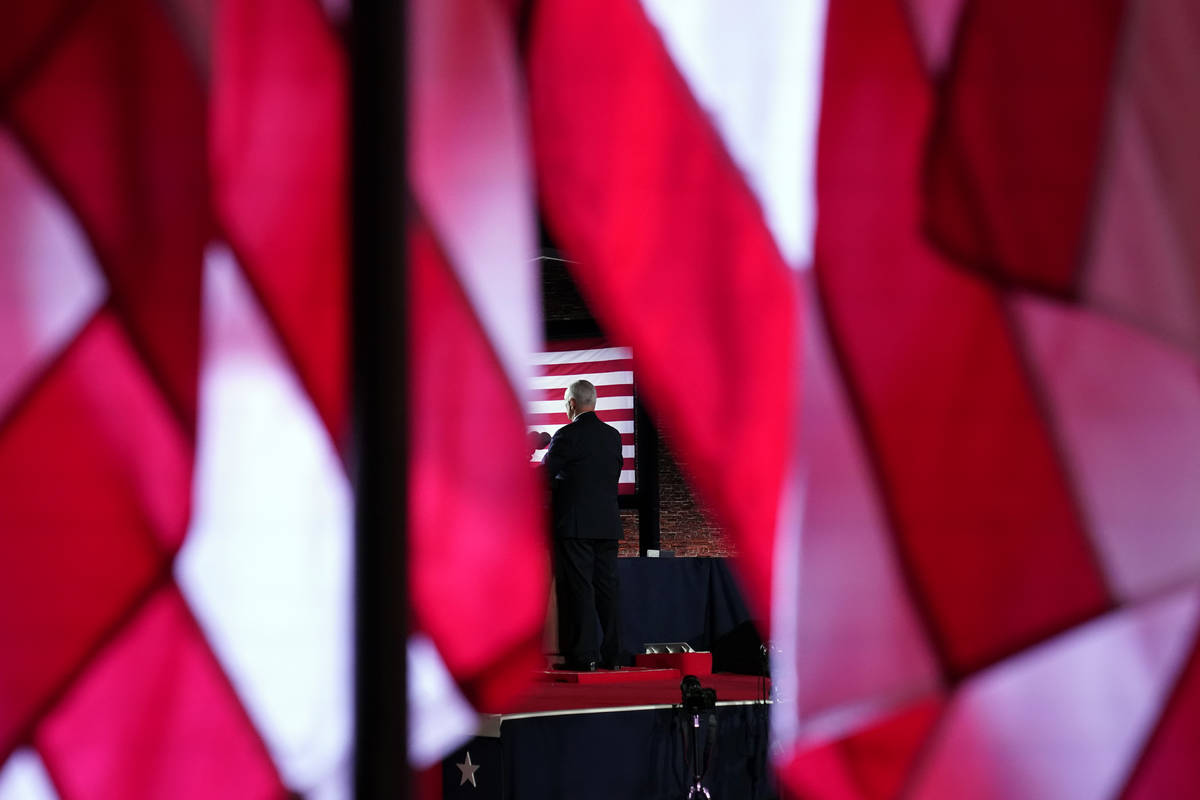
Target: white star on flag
x=468, y=771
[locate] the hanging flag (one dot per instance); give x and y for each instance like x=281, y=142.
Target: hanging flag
x=476, y=520
x=673, y=255
x=610, y=370
x=167, y=432
x=975, y=488
x=1060, y=162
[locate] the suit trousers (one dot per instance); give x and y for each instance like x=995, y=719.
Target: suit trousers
x=585, y=572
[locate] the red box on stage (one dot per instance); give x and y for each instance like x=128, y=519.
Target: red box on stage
x=690, y=663
x=612, y=676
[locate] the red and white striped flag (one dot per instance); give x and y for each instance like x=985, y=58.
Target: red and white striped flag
x=995, y=592
x=673, y=248
x=476, y=523
x=984, y=468
x=610, y=369
x=172, y=396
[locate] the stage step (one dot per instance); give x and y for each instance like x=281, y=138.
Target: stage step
x=690, y=663
x=620, y=675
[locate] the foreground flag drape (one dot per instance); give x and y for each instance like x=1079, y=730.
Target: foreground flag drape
x=995, y=508
x=956, y=432
x=476, y=501
x=165, y=466
x=478, y=559
x=173, y=397
x=673, y=255
x=94, y=502
x=1015, y=148
x=279, y=188
x=84, y=110
x=1068, y=170
x=988, y=414
x=995, y=595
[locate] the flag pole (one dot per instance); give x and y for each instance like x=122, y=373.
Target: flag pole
x=378, y=194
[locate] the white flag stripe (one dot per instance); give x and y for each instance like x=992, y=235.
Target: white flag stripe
x=627, y=476
x=439, y=717
x=24, y=777
x=1090, y=697
x=755, y=67
x=477, y=192
x=271, y=529
x=626, y=452
x=579, y=356
x=50, y=284
x=622, y=426
x=597, y=378
x=602, y=404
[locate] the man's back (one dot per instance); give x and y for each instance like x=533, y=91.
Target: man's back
x=584, y=465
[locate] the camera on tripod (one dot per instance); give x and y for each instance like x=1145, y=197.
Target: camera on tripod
x=696, y=699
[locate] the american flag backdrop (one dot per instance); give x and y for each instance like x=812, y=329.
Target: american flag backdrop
x=610, y=369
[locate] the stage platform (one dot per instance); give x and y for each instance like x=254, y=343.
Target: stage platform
x=613, y=738
x=605, y=676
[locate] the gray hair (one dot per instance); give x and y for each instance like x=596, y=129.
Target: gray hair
x=583, y=393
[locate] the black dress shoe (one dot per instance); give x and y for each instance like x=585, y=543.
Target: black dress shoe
x=576, y=666
x=618, y=661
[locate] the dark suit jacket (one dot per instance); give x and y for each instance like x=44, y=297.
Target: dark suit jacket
x=584, y=467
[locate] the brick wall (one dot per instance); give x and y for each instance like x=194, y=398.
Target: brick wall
x=561, y=301
x=684, y=526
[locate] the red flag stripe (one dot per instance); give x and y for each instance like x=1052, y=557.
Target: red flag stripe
x=611, y=416
x=615, y=365
x=1014, y=151
x=474, y=503
x=627, y=466
x=624, y=426
x=602, y=391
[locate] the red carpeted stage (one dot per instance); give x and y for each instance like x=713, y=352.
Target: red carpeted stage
x=605, y=689
x=615, y=734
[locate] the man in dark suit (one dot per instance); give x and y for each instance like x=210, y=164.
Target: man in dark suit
x=584, y=467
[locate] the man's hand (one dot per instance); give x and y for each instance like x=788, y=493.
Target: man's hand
x=536, y=440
